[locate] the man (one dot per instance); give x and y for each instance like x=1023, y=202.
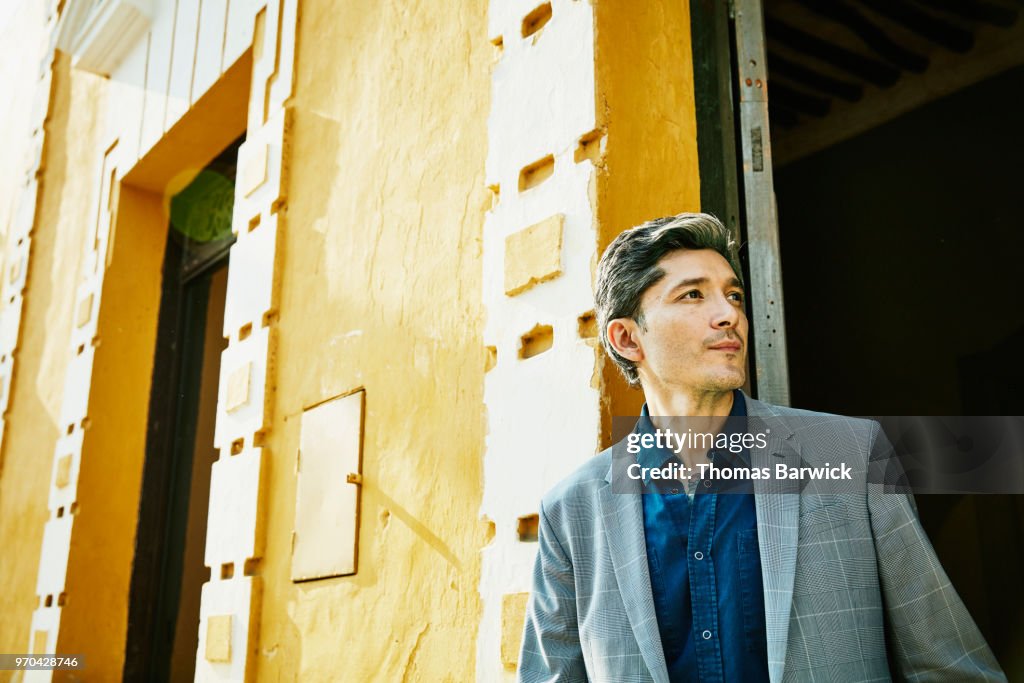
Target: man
x=693, y=584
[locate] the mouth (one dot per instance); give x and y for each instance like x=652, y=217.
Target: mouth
x=728, y=347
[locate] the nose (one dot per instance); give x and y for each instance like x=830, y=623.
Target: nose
x=726, y=314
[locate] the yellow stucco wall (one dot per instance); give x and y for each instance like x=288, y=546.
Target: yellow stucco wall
x=32, y=420
x=381, y=289
x=645, y=102
x=381, y=282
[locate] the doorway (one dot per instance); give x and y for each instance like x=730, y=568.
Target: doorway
x=895, y=180
x=894, y=159
x=169, y=570
x=897, y=253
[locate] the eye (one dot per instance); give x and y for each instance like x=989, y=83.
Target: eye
x=692, y=294
x=737, y=296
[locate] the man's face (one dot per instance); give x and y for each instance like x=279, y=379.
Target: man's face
x=696, y=327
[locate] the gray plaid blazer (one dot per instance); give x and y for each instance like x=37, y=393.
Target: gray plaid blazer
x=850, y=579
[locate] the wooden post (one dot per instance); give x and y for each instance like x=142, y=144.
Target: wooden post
x=768, y=322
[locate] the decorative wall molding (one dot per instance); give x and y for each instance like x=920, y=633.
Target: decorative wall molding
x=98, y=34
x=18, y=250
x=140, y=110
x=540, y=241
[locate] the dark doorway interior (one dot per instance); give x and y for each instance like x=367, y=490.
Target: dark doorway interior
x=900, y=250
x=169, y=571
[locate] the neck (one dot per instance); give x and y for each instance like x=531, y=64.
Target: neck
x=704, y=411
x=664, y=402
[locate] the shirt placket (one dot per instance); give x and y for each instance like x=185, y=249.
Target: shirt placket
x=703, y=587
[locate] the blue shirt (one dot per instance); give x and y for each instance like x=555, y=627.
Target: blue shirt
x=705, y=568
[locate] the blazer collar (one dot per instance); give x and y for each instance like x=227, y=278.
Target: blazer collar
x=778, y=519
x=623, y=523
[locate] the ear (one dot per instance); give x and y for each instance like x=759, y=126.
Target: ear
x=624, y=336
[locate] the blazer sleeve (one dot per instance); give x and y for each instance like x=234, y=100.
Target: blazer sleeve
x=932, y=636
x=551, y=644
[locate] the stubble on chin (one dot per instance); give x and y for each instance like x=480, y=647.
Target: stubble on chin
x=725, y=379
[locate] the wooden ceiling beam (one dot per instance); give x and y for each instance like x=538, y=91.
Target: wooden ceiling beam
x=796, y=100
x=866, y=68
x=997, y=50
x=777, y=64
x=973, y=10
x=870, y=34
x=924, y=24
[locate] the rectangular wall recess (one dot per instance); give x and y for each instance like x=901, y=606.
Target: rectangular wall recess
x=536, y=19
x=586, y=325
x=527, y=527
x=536, y=341
x=536, y=173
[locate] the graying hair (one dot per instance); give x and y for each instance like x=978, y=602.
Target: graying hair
x=629, y=267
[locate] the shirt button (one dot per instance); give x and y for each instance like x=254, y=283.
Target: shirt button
x=707, y=483
x=698, y=555
x=707, y=635
x=711, y=455
x=675, y=490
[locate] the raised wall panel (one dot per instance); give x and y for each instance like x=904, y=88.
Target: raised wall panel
x=158, y=67
x=25, y=213
x=67, y=445
x=10, y=325
x=53, y=560
x=231, y=531
x=250, y=295
x=209, y=49
x=238, y=36
x=17, y=268
x=77, y=381
x=239, y=599
x=6, y=380
x=281, y=88
x=243, y=421
x=127, y=89
x=179, y=87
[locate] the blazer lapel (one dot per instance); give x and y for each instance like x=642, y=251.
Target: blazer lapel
x=624, y=526
x=778, y=518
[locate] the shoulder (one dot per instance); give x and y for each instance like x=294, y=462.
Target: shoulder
x=835, y=434
x=578, y=491
x=799, y=418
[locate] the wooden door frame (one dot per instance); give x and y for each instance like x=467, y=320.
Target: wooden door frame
x=731, y=99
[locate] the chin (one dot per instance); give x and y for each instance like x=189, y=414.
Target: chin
x=727, y=380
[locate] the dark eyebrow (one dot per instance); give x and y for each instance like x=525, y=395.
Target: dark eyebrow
x=733, y=282
x=688, y=282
